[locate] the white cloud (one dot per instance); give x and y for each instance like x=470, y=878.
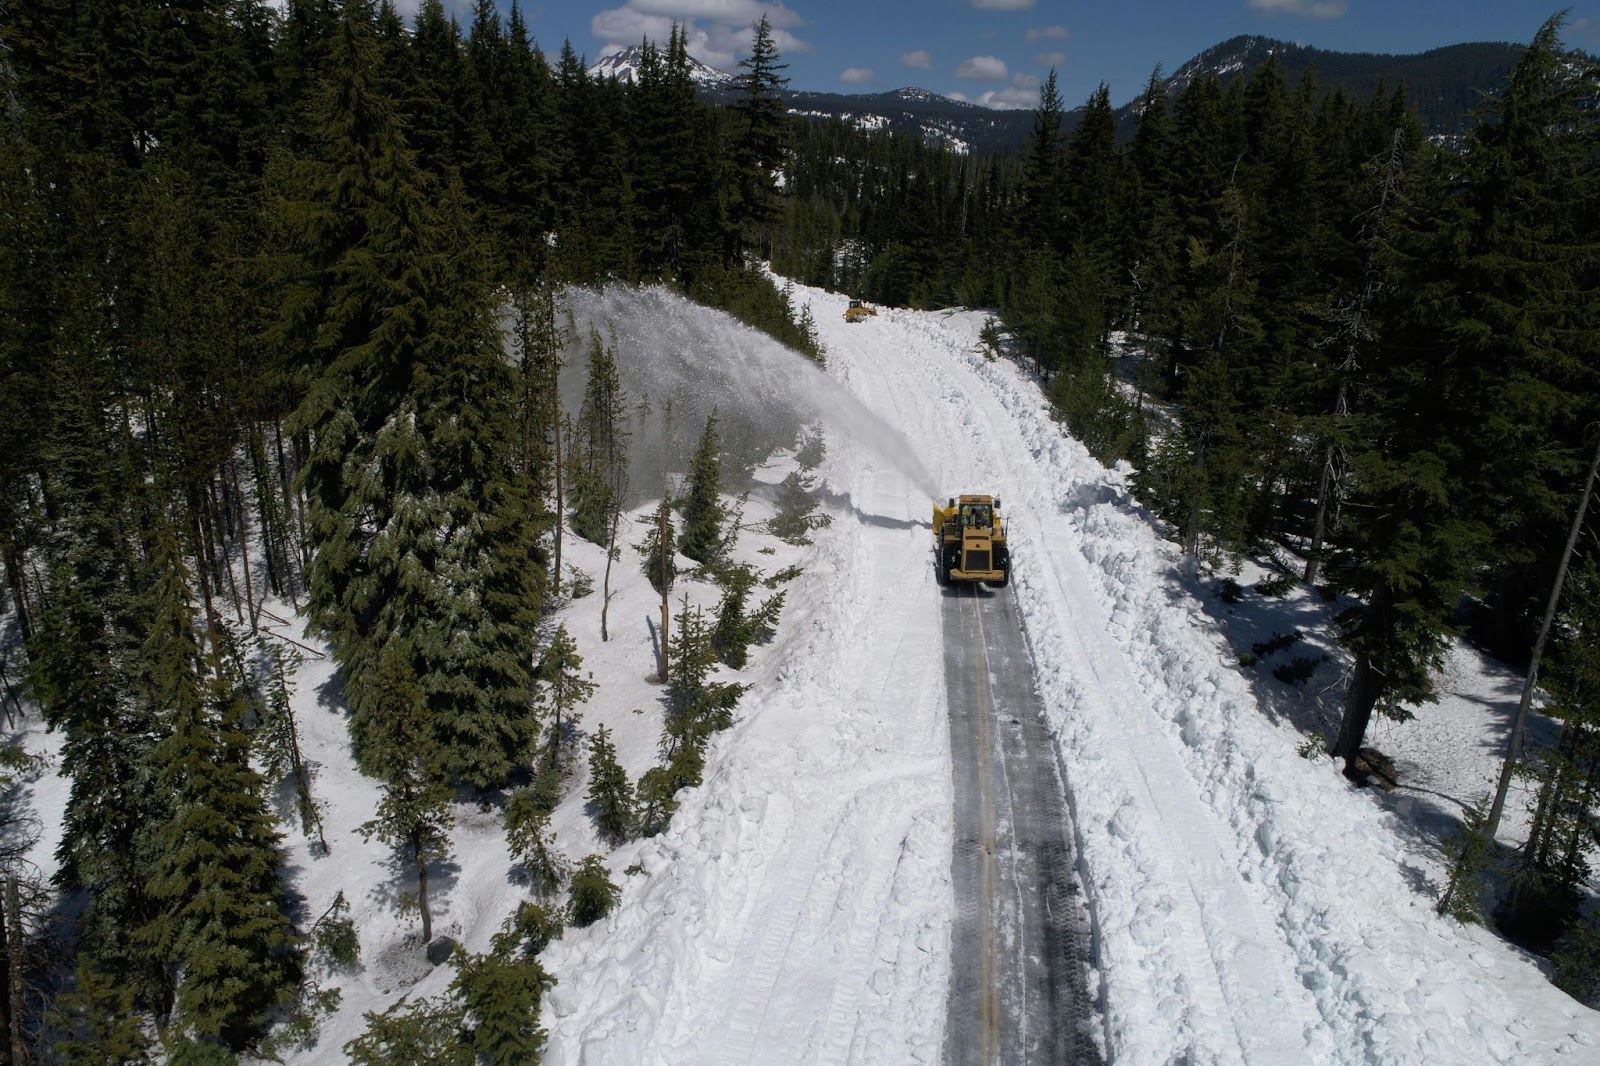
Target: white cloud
x=1311, y=9
x=983, y=68
x=1021, y=95
x=625, y=26
x=1046, y=33
x=1051, y=59
x=1002, y=5
x=738, y=11
x=856, y=76
x=719, y=32
x=918, y=60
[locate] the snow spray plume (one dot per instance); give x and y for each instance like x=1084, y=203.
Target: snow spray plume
x=669, y=349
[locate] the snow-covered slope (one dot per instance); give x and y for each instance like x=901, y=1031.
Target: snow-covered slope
x=1249, y=905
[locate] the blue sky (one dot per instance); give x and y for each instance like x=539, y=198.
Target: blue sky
x=997, y=52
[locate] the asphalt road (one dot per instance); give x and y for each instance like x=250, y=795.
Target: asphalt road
x=1019, y=984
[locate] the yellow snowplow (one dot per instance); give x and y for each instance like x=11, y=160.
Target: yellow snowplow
x=970, y=539
x=858, y=311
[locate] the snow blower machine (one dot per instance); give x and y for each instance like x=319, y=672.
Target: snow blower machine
x=971, y=541
x=858, y=312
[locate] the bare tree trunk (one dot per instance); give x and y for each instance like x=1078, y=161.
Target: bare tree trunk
x=13, y=565
x=1359, y=699
x=216, y=540
x=10, y=1022
x=15, y=988
x=611, y=553
x=663, y=517
x=1366, y=685
x=1319, y=523
x=1519, y=723
x=561, y=506
x=213, y=629
x=291, y=513
x=244, y=541
x=422, y=890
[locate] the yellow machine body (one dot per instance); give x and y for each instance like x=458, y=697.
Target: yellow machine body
x=970, y=540
x=858, y=311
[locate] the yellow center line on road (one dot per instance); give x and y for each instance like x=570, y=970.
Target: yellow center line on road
x=990, y=1008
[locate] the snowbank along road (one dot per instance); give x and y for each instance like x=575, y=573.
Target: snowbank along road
x=1247, y=906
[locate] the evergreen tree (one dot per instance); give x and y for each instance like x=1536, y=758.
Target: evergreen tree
x=215, y=869
x=759, y=145
x=527, y=144
x=609, y=789
x=103, y=686
x=697, y=706
x=1201, y=469
x=703, y=510
x=500, y=994
x=532, y=841
x=414, y=814
x=599, y=448
x=658, y=552
x=1524, y=325
x=1409, y=533
x=1041, y=218
x=98, y=1022
x=422, y=525
x=1353, y=320
x=1553, y=870
x=1151, y=253
x=564, y=688
x=422, y=1033
x=594, y=209
x=796, y=514
x=738, y=627
x=593, y=893
x=1466, y=358
x=279, y=738
x=217, y=930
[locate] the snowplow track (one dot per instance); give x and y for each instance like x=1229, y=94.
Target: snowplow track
x=1021, y=952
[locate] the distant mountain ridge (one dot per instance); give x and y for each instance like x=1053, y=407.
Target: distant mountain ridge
x=1445, y=85
x=624, y=66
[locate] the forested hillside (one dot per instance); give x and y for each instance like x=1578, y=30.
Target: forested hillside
x=280, y=320
x=1445, y=85
x=288, y=277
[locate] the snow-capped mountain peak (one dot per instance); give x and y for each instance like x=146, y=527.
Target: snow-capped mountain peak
x=624, y=66
x=912, y=92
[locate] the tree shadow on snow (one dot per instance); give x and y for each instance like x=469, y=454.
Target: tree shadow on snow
x=1283, y=646
x=330, y=694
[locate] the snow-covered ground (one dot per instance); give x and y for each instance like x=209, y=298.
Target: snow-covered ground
x=1249, y=905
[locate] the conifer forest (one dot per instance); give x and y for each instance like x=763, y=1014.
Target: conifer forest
x=290, y=276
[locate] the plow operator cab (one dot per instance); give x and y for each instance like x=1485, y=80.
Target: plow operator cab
x=970, y=539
